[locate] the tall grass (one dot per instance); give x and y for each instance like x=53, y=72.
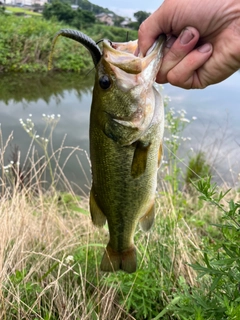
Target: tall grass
x=50, y=252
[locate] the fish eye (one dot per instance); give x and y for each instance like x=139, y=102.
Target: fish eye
x=104, y=82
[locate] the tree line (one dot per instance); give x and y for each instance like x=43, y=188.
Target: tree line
x=83, y=17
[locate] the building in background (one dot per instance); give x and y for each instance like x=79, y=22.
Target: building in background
x=25, y=2
x=107, y=18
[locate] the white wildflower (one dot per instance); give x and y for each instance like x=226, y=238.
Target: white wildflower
x=30, y=115
x=69, y=259
x=175, y=137
x=43, y=115
x=185, y=120
x=194, y=118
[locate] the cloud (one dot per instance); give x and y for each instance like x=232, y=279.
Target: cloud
x=123, y=12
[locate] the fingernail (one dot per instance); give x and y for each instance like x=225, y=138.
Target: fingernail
x=205, y=48
x=186, y=36
x=170, y=41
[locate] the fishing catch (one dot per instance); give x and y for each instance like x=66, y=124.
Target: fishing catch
x=126, y=132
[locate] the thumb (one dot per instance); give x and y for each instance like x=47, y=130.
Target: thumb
x=149, y=31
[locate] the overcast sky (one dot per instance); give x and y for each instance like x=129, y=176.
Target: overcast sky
x=126, y=8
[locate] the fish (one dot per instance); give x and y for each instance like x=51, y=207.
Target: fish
x=126, y=143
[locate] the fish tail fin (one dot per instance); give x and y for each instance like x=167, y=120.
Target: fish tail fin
x=114, y=260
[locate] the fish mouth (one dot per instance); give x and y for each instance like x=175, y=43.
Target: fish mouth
x=130, y=47
x=122, y=54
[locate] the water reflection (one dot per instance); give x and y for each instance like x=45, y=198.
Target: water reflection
x=66, y=94
x=26, y=88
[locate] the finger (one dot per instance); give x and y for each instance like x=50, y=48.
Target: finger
x=185, y=74
x=148, y=32
x=176, y=50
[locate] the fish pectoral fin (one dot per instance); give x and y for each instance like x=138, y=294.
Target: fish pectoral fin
x=147, y=220
x=98, y=218
x=160, y=154
x=140, y=157
x=114, y=260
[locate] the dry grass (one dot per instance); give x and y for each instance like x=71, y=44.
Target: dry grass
x=37, y=278
x=39, y=233
x=50, y=253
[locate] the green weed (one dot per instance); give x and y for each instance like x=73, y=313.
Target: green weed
x=27, y=47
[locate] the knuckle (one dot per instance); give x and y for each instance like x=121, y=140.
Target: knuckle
x=179, y=81
x=175, y=55
x=174, y=78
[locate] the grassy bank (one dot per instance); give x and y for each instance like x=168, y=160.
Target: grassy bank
x=50, y=255
x=188, y=265
x=25, y=44
x=22, y=11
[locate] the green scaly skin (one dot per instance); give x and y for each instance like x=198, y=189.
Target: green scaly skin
x=124, y=162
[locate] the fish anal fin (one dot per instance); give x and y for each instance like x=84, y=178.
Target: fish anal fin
x=98, y=218
x=147, y=220
x=139, y=162
x=114, y=260
x=160, y=153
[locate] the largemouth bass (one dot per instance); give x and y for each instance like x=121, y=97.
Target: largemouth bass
x=126, y=131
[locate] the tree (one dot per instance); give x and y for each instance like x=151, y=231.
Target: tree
x=141, y=16
x=83, y=18
x=2, y=9
x=62, y=11
x=118, y=21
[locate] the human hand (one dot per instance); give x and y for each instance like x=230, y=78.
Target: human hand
x=213, y=52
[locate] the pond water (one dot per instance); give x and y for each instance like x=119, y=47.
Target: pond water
x=216, y=130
